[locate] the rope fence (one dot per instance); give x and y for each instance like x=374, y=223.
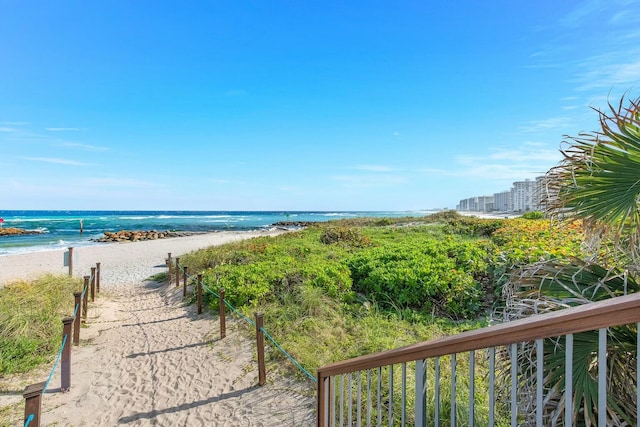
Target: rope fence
x=261, y=332
x=33, y=393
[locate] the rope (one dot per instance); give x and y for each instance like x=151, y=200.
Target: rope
x=29, y=419
x=282, y=350
x=294, y=361
x=55, y=365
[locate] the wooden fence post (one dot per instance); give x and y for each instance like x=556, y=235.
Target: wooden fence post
x=33, y=403
x=70, y=261
x=85, y=300
x=93, y=284
x=223, y=320
x=262, y=372
x=184, y=282
x=199, y=294
x=65, y=363
x=98, y=277
x=76, y=323
x=177, y=271
x=169, y=261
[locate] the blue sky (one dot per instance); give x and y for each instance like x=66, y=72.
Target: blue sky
x=298, y=105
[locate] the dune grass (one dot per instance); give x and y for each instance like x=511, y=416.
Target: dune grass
x=30, y=320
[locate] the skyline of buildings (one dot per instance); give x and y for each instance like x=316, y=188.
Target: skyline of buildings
x=524, y=196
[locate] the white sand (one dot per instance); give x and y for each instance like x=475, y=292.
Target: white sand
x=146, y=358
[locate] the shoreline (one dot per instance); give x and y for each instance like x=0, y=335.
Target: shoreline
x=121, y=263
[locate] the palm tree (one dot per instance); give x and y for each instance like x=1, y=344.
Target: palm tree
x=599, y=182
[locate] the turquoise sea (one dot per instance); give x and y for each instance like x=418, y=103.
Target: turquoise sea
x=61, y=229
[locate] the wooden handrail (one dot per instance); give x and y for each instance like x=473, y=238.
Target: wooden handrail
x=611, y=312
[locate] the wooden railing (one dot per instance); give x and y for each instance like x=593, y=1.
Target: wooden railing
x=349, y=405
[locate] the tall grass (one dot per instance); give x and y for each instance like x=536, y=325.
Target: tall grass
x=30, y=320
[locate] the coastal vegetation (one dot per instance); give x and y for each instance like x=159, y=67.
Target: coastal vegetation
x=596, y=188
x=30, y=326
x=350, y=287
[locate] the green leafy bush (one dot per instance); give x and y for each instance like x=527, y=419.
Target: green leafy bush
x=533, y=215
x=432, y=274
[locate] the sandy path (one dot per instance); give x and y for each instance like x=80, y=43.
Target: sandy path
x=146, y=358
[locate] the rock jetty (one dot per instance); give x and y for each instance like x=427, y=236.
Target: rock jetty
x=12, y=231
x=138, y=235
x=294, y=223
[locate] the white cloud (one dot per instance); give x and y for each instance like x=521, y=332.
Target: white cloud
x=396, y=134
x=119, y=182
x=54, y=160
x=372, y=168
x=62, y=129
x=5, y=123
x=503, y=165
x=82, y=146
x=546, y=124
x=7, y=129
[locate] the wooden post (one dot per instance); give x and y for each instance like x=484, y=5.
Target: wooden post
x=93, y=284
x=76, y=323
x=262, y=372
x=223, y=320
x=98, y=277
x=169, y=263
x=199, y=293
x=177, y=272
x=65, y=363
x=70, y=261
x=184, y=282
x=33, y=403
x=86, y=298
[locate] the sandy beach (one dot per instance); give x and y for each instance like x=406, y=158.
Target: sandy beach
x=147, y=358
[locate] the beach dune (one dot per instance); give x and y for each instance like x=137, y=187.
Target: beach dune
x=146, y=357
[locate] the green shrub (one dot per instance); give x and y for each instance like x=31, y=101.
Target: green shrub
x=533, y=215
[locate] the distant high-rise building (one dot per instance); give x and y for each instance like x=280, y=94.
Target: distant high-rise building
x=502, y=201
x=522, y=194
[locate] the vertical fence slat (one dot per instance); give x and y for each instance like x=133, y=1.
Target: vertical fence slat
x=359, y=408
x=65, y=362
x=199, y=293
x=185, y=276
x=472, y=387
x=602, y=377
x=85, y=299
x=332, y=415
x=341, y=400
x=379, y=396
x=453, y=389
x=33, y=403
x=492, y=386
x=437, y=392
x=97, y=277
x=368, y=397
x=539, y=380
x=262, y=372
x=514, y=385
x=77, y=296
x=421, y=393
x=568, y=375
x=350, y=403
x=93, y=284
x=223, y=315
x=404, y=394
x=390, y=395
x=177, y=272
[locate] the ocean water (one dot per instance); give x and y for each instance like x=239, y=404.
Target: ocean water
x=61, y=229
